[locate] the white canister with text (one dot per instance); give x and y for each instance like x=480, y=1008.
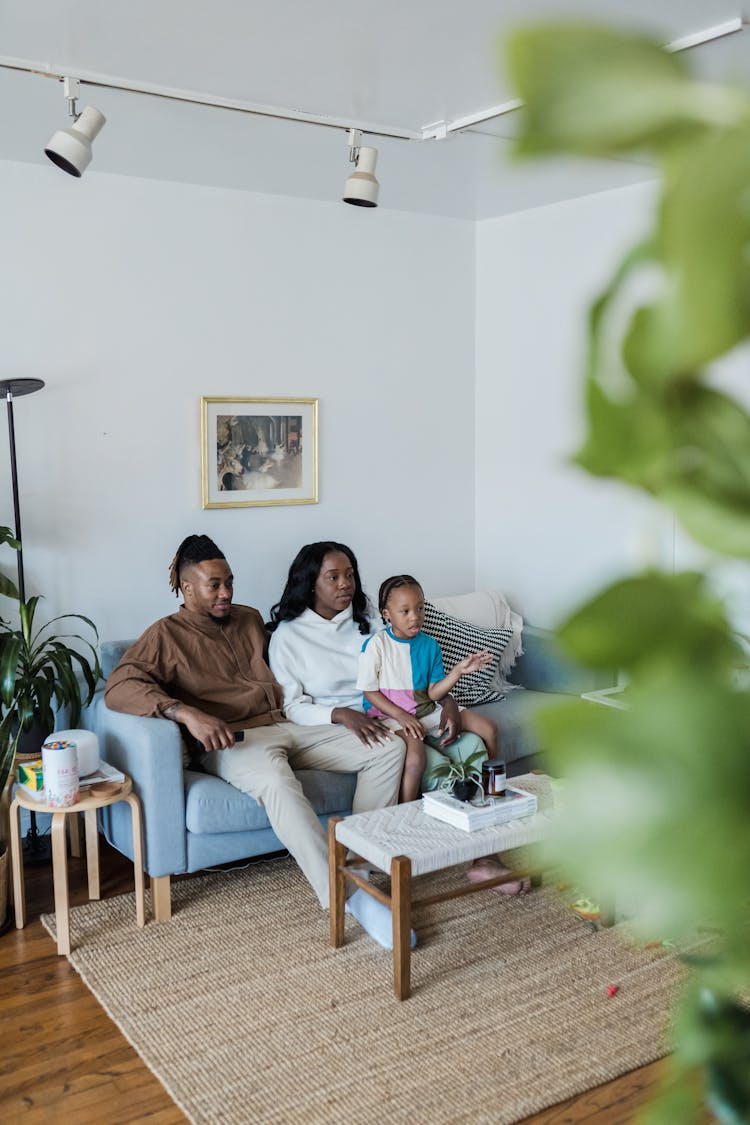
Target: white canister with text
x=60, y=769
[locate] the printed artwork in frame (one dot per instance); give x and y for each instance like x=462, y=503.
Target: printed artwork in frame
x=259, y=451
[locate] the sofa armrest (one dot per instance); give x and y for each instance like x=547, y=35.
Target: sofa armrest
x=543, y=666
x=150, y=752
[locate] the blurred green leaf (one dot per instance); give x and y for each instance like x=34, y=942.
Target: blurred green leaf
x=701, y=243
x=708, y=478
x=687, y=445
x=674, y=1104
x=652, y=615
x=714, y=1034
x=594, y=91
x=656, y=797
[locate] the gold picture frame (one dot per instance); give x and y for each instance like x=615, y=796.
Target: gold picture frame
x=258, y=452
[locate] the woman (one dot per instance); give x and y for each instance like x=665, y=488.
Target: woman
x=318, y=628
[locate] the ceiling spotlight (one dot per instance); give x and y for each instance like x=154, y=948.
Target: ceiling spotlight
x=361, y=189
x=70, y=149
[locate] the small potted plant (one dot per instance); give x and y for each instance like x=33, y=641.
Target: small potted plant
x=38, y=673
x=463, y=778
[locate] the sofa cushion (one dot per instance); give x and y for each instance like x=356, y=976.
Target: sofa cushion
x=544, y=667
x=457, y=639
x=515, y=715
x=111, y=655
x=212, y=805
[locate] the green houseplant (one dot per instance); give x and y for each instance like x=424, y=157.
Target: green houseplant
x=39, y=671
x=461, y=778
x=658, y=795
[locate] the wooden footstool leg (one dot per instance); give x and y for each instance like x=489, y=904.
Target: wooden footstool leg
x=401, y=907
x=60, y=878
x=336, y=883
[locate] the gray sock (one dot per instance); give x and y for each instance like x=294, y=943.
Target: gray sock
x=374, y=917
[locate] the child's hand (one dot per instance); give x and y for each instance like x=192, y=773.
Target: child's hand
x=474, y=661
x=411, y=727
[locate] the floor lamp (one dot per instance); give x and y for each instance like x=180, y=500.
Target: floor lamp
x=36, y=848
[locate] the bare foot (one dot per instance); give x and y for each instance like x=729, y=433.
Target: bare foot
x=487, y=868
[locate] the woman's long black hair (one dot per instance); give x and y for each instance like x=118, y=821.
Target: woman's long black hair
x=299, y=592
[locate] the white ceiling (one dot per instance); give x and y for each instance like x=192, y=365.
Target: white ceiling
x=392, y=65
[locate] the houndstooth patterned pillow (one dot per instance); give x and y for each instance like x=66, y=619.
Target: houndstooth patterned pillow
x=457, y=639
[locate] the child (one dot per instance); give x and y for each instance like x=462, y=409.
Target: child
x=402, y=677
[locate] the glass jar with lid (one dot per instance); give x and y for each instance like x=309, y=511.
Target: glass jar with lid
x=493, y=778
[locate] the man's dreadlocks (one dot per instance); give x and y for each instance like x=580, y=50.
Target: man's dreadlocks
x=194, y=549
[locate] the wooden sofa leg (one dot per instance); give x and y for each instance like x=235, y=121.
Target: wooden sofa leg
x=161, y=902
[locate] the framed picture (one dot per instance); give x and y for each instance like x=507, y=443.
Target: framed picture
x=259, y=451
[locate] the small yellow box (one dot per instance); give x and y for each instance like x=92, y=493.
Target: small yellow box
x=30, y=774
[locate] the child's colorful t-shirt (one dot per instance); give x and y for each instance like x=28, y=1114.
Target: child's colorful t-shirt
x=402, y=670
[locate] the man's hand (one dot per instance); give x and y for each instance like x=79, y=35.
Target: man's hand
x=450, y=723
x=212, y=733
x=370, y=731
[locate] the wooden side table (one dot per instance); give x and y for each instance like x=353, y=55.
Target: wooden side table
x=97, y=798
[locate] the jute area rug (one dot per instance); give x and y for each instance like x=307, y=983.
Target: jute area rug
x=246, y=1015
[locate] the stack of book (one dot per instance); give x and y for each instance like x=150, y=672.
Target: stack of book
x=104, y=772
x=31, y=779
x=462, y=814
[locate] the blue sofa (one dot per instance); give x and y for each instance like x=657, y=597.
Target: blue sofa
x=193, y=820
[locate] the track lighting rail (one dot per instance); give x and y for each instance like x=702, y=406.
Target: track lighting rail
x=438, y=130
x=193, y=97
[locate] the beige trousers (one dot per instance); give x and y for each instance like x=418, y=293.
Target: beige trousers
x=263, y=767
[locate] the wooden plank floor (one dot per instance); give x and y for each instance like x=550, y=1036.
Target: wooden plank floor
x=64, y=1061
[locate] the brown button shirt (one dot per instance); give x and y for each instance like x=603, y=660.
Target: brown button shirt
x=218, y=667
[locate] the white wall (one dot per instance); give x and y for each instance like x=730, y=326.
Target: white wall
x=133, y=298
x=546, y=533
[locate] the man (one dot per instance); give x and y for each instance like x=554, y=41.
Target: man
x=205, y=668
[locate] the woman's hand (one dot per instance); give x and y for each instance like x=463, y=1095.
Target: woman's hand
x=370, y=731
x=411, y=726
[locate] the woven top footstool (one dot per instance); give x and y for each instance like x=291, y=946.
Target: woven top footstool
x=403, y=841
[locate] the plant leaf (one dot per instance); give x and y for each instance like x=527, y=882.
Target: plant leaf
x=9, y=652
x=26, y=612
x=8, y=588
x=7, y=537
x=673, y=616
x=594, y=91
x=702, y=237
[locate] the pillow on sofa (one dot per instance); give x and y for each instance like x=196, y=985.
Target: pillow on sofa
x=457, y=639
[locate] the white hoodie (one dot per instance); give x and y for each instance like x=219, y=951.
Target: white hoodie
x=316, y=663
